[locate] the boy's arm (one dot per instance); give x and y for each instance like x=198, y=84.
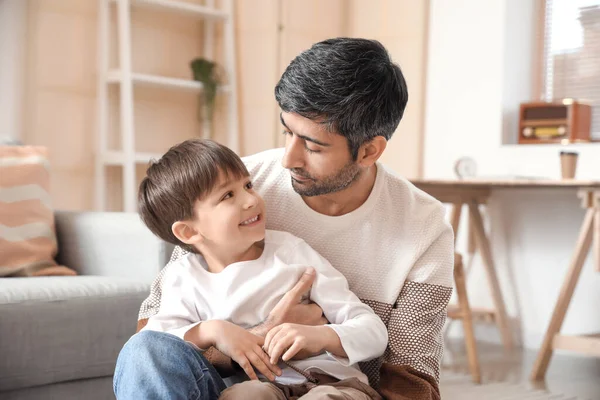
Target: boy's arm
x=411, y=364
x=289, y=309
x=178, y=315
x=361, y=333
x=243, y=347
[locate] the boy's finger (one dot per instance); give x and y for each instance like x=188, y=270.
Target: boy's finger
x=291, y=352
x=277, y=337
x=270, y=336
x=278, y=350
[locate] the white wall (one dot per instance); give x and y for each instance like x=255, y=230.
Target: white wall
x=479, y=70
x=12, y=39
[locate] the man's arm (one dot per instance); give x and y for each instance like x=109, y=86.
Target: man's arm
x=355, y=332
x=291, y=310
x=151, y=305
x=411, y=364
x=362, y=335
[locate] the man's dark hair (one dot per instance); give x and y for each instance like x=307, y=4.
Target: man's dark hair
x=187, y=172
x=349, y=84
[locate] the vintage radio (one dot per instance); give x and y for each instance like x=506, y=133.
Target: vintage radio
x=554, y=122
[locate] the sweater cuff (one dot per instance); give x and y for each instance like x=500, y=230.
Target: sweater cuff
x=345, y=361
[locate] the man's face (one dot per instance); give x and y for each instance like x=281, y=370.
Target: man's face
x=319, y=161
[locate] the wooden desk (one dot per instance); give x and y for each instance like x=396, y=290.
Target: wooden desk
x=473, y=193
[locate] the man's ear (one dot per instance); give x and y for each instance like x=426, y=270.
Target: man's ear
x=370, y=152
x=184, y=231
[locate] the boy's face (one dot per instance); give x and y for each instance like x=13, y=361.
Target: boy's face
x=231, y=216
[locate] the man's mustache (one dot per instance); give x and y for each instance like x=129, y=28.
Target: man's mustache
x=301, y=173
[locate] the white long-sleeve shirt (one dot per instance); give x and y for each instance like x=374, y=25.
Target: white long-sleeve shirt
x=397, y=252
x=244, y=293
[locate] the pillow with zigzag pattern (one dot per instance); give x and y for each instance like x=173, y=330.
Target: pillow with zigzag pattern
x=27, y=237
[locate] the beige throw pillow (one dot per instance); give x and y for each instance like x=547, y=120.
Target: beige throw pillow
x=27, y=238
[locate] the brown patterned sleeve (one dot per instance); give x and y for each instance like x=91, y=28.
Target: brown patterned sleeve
x=411, y=363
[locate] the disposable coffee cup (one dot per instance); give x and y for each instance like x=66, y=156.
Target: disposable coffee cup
x=568, y=164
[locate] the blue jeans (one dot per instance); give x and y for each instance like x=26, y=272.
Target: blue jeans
x=155, y=365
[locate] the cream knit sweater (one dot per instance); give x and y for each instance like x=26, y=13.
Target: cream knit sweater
x=396, y=251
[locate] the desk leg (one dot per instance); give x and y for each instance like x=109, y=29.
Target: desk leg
x=471, y=240
x=455, y=218
x=596, y=236
x=484, y=249
x=467, y=320
x=566, y=292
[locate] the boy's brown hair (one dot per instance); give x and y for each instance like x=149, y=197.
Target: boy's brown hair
x=187, y=172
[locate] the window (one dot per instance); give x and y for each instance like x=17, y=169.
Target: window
x=571, y=54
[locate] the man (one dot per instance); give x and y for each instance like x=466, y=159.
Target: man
x=341, y=102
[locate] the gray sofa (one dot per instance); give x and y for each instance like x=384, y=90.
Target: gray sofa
x=60, y=336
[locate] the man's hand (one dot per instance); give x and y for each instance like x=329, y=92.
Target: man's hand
x=287, y=340
x=291, y=310
x=241, y=346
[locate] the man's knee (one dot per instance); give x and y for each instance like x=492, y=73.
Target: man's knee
x=335, y=393
x=252, y=390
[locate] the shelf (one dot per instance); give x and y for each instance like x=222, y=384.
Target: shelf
x=181, y=7
x=115, y=76
x=555, y=141
x=118, y=157
x=545, y=122
x=557, y=145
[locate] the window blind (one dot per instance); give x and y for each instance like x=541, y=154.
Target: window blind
x=571, y=54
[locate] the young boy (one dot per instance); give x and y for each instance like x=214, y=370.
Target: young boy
x=199, y=196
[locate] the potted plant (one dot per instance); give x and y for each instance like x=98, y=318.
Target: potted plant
x=207, y=73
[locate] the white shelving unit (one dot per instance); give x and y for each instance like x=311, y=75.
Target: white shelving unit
x=115, y=76
x=127, y=80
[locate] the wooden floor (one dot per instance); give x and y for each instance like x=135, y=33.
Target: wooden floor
x=568, y=374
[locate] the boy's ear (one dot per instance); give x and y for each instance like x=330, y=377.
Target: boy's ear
x=185, y=232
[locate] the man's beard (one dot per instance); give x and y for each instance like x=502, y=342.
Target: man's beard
x=340, y=181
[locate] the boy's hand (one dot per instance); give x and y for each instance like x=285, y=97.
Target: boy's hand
x=243, y=347
x=289, y=339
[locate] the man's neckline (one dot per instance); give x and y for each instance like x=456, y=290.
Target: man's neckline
x=320, y=206
x=366, y=207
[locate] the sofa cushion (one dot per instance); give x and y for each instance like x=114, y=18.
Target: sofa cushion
x=56, y=329
x=27, y=238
